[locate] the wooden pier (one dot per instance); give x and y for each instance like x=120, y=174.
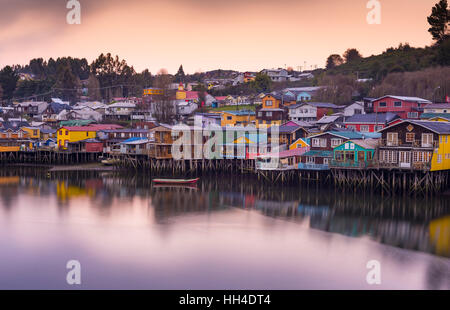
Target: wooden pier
x=385, y=180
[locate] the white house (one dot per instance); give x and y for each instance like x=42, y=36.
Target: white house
x=355, y=108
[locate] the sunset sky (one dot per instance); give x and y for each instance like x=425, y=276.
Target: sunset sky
x=208, y=34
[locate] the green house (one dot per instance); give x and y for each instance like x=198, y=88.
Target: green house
x=354, y=153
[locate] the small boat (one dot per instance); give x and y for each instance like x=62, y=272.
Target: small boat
x=175, y=181
x=109, y=162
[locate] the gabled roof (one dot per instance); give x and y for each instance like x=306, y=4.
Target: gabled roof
x=372, y=118
x=328, y=119
x=405, y=98
x=436, y=127
x=438, y=106
x=286, y=128
x=433, y=115
x=316, y=104
x=240, y=112
x=369, y=144
x=342, y=134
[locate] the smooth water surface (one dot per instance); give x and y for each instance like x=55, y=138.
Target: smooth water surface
x=225, y=233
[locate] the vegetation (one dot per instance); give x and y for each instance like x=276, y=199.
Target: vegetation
x=439, y=21
x=250, y=107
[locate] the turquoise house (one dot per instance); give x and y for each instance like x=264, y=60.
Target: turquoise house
x=354, y=153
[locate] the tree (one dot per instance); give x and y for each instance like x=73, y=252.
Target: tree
x=163, y=108
x=8, y=81
x=180, y=76
x=93, y=86
x=262, y=83
x=1, y=92
x=67, y=84
x=439, y=21
x=334, y=61
x=113, y=74
x=352, y=54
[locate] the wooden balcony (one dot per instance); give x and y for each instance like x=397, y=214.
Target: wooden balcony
x=413, y=144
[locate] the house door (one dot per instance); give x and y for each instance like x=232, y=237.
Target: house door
x=404, y=159
x=360, y=156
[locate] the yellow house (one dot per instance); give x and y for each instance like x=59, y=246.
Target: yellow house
x=298, y=144
x=33, y=132
x=441, y=155
x=440, y=119
x=66, y=135
x=181, y=92
x=238, y=118
x=153, y=91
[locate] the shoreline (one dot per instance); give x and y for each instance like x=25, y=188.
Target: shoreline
x=77, y=167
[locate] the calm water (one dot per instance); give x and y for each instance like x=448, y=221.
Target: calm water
x=227, y=233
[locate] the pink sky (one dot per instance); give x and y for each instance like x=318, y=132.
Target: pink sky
x=204, y=35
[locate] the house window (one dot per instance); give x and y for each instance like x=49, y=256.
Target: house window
x=310, y=160
x=392, y=139
x=357, y=111
x=383, y=104
x=439, y=159
x=229, y=118
x=427, y=140
x=339, y=155
x=378, y=127
x=410, y=137
x=268, y=114
x=325, y=161
x=67, y=132
x=413, y=114
x=364, y=128
x=336, y=142
x=269, y=103
x=260, y=114
x=369, y=155
x=352, y=127
x=397, y=104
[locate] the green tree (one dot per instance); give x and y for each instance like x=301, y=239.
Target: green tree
x=439, y=21
x=93, y=86
x=180, y=76
x=67, y=84
x=352, y=54
x=334, y=61
x=262, y=83
x=114, y=74
x=8, y=81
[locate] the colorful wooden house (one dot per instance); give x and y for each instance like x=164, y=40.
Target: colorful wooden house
x=354, y=153
x=299, y=143
x=272, y=111
x=66, y=135
x=321, y=149
x=238, y=118
x=405, y=107
x=416, y=145
x=161, y=148
x=371, y=122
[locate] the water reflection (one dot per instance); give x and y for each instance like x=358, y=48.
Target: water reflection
x=412, y=223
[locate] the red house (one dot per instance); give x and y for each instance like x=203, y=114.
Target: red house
x=405, y=107
x=372, y=122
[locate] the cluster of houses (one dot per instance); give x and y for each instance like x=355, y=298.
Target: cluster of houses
x=388, y=132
